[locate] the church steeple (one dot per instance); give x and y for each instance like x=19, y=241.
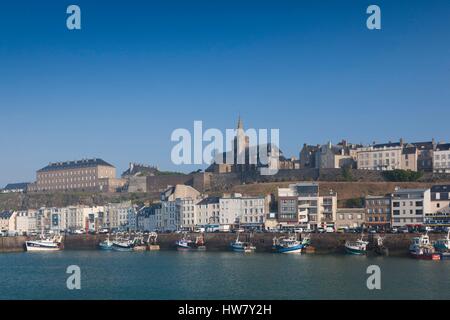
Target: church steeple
x=240, y=125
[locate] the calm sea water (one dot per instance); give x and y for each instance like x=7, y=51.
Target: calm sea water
x=214, y=275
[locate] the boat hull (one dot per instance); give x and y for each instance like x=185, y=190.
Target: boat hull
x=431, y=256
x=34, y=246
x=240, y=248
x=293, y=249
x=104, y=246
x=355, y=251
x=445, y=255
x=122, y=248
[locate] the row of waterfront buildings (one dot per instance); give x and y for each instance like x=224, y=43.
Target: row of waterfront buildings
x=182, y=207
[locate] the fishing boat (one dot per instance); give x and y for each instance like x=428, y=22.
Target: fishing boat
x=122, y=244
x=306, y=241
x=287, y=245
x=186, y=244
x=139, y=244
x=421, y=248
x=358, y=247
x=380, y=248
x=151, y=241
x=443, y=245
x=106, y=244
x=240, y=246
x=44, y=244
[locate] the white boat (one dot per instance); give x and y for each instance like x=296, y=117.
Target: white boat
x=44, y=244
x=357, y=247
x=106, y=244
x=287, y=245
x=122, y=244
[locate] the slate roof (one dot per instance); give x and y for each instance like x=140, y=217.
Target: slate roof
x=427, y=145
x=444, y=146
x=87, y=163
x=5, y=214
x=209, y=200
x=17, y=186
x=440, y=188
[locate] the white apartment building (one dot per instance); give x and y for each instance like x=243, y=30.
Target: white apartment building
x=207, y=211
x=409, y=207
x=26, y=222
x=188, y=212
x=247, y=211
x=441, y=158
x=302, y=205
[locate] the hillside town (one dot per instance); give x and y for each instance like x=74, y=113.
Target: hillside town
x=184, y=203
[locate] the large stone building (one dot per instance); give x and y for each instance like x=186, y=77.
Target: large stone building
x=441, y=158
x=330, y=156
x=386, y=156
x=86, y=175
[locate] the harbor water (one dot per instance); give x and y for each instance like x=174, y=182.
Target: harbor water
x=218, y=275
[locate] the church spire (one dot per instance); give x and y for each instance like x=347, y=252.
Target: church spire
x=240, y=125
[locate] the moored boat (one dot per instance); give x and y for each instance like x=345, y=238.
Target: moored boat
x=287, y=245
x=358, y=247
x=186, y=244
x=122, y=244
x=151, y=241
x=240, y=246
x=44, y=244
x=107, y=244
x=443, y=245
x=139, y=244
x=421, y=248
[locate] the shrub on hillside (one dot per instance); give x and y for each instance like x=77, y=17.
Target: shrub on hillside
x=402, y=175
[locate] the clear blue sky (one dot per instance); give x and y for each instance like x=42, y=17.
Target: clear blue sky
x=140, y=69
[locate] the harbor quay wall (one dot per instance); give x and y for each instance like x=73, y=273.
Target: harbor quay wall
x=12, y=244
x=323, y=243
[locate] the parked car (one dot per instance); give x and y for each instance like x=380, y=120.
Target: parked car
x=393, y=230
x=103, y=231
x=79, y=231
x=329, y=229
